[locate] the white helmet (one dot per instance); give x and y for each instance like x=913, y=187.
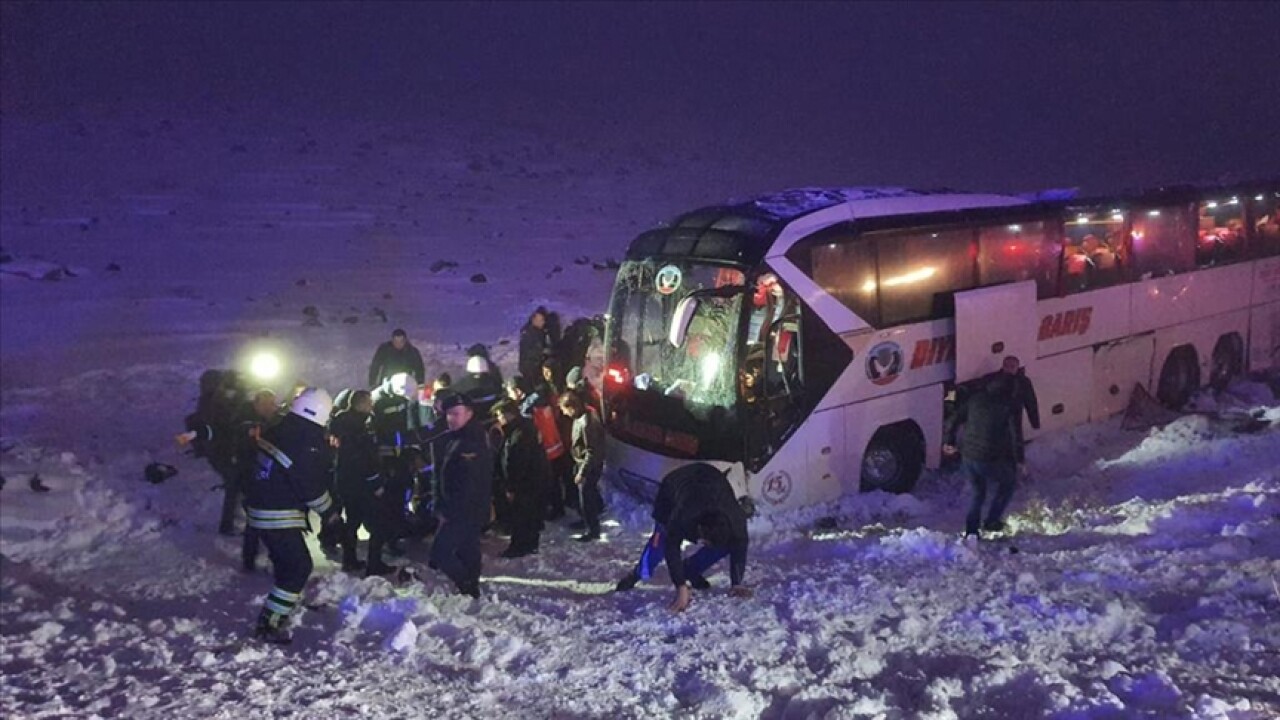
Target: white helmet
x=313, y=404
x=477, y=365
x=404, y=385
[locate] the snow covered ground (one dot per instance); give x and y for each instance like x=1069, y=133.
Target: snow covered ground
x=1142, y=581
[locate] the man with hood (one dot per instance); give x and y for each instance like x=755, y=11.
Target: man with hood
x=465, y=474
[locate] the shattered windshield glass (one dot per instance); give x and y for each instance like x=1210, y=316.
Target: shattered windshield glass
x=682, y=399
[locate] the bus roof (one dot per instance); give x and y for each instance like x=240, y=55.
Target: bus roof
x=745, y=231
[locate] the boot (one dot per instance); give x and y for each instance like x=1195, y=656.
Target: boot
x=627, y=582
x=377, y=567
x=697, y=582
x=271, y=629
x=352, y=565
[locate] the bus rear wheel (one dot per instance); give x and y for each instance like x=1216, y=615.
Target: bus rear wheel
x=893, y=459
x=1179, y=377
x=1228, y=361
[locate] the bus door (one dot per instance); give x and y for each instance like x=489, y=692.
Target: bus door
x=993, y=322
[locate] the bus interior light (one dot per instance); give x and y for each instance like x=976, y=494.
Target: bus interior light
x=1015, y=228
x=1118, y=217
x=1153, y=213
x=1211, y=205
x=1258, y=198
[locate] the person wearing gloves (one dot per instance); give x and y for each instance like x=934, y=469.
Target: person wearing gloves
x=292, y=466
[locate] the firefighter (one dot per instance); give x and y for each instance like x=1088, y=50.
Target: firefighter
x=292, y=467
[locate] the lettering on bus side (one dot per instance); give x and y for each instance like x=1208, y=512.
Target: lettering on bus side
x=932, y=351
x=1069, y=322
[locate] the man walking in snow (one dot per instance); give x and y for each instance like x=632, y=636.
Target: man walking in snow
x=465, y=486
x=695, y=504
x=292, y=468
x=396, y=356
x=990, y=448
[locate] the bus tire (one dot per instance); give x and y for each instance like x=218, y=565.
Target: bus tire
x=893, y=459
x=1179, y=378
x=1228, y=361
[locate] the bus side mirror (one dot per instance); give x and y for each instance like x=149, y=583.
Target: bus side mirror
x=681, y=319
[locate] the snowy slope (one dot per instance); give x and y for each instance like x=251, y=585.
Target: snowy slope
x=1144, y=582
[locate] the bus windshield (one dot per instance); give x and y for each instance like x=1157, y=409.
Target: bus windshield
x=680, y=401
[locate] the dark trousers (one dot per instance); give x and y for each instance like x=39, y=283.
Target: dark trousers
x=362, y=509
x=563, y=468
x=291, y=562
x=590, y=503
x=230, y=501
x=696, y=565
x=456, y=552
x=398, y=485
x=526, y=520
x=982, y=473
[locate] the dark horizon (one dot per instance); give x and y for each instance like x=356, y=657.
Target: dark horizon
x=988, y=96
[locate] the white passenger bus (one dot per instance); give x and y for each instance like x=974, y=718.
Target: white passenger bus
x=805, y=341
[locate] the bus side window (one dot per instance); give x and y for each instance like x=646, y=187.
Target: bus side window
x=1017, y=252
x=1163, y=241
x=1220, y=235
x=1093, y=251
x=919, y=273
x=1266, y=224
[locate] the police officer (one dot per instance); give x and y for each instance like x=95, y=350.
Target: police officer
x=465, y=485
x=293, y=464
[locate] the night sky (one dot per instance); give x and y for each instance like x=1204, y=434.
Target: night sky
x=984, y=96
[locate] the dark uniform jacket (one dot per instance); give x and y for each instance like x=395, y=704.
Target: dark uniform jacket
x=357, y=465
x=687, y=494
x=534, y=344
x=388, y=361
x=483, y=390
x=466, y=476
x=523, y=462
x=393, y=420
x=293, y=464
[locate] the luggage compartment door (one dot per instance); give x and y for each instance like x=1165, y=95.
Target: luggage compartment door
x=991, y=323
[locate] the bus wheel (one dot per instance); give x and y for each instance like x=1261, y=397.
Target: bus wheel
x=893, y=459
x=1179, y=377
x=1228, y=361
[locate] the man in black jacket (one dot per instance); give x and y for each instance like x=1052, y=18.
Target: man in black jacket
x=535, y=343
x=991, y=445
x=465, y=485
x=359, y=484
x=695, y=503
x=396, y=356
x=293, y=462
x=1024, y=400
x=524, y=476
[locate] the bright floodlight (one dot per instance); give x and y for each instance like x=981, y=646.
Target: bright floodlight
x=265, y=366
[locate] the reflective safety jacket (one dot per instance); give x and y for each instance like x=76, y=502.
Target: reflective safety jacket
x=293, y=463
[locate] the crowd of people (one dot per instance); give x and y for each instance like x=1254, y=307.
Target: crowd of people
x=452, y=460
